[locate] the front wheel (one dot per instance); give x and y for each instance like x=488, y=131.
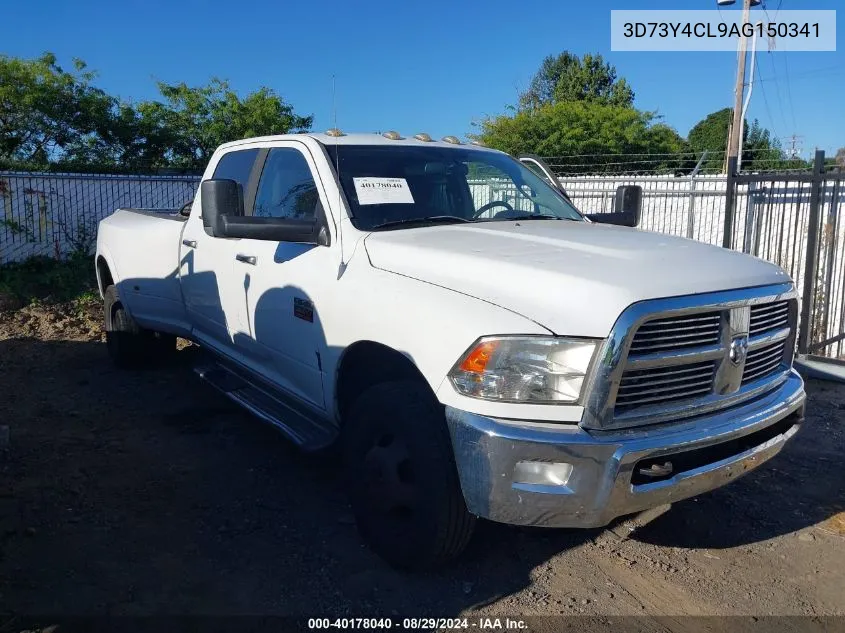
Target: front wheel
x=404, y=486
x=129, y=345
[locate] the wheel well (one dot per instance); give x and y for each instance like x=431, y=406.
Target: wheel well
x=367, y=363
x=103, y=274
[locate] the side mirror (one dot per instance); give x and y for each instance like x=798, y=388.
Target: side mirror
x=220, y=199
x=223, y=216
x=302, y=231
x=627, y=208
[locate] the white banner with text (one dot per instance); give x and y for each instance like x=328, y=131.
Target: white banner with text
x=679, y=30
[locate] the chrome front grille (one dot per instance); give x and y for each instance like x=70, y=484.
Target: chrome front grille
x=665, y=384
x=770, y=316
x=670, y=359
x=763, y=362
x=676, y=333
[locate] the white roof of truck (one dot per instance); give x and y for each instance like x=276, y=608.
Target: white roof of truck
x=355, y=139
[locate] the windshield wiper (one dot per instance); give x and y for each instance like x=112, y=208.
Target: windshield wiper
x=533, y=216
x=434, y=219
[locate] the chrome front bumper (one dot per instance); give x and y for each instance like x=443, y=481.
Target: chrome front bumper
x=604, y=483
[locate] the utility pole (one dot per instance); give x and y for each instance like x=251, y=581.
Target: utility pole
x=794, y=146
x=735, y=133
x=747, y=99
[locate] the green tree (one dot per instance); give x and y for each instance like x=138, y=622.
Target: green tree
x=759, y=150
x=567, y=77
x=50, y=117
x=711, y=134
x=193, y=121
x=45, y=109
x=582, y=133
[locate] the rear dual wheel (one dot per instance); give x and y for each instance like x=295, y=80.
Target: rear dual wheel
x=131, y=346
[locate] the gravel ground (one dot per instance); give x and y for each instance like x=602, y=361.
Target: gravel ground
x=147, y=492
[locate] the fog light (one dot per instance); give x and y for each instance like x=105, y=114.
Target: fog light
x=542, y=473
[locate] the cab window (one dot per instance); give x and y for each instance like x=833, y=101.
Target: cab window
x=236, y=166
x=287, y=188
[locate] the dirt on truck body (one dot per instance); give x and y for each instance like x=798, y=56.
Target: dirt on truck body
x=131, y=493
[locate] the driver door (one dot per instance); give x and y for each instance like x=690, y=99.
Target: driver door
x=283, y=285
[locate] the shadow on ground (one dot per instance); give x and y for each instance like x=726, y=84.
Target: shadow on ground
x=147, y=492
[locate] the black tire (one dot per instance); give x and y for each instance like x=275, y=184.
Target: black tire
x=404, y=487
x=130, y=346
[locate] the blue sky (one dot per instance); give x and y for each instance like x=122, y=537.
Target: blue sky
x=432, y=66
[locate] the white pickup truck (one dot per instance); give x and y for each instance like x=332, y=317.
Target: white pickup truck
x=475, y=345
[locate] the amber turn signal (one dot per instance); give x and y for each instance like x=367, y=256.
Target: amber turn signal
x=476, y=361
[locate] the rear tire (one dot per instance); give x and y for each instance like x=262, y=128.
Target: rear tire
x=404, y=487
x=131, y=346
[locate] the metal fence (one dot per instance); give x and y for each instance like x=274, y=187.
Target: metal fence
x=687, y=206
x=794, y=220
x=55, y=214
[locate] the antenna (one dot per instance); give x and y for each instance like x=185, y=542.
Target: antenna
x=334, y=102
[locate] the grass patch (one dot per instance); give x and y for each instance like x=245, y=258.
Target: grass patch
x=44, y=278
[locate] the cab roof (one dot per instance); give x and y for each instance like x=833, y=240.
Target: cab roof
x=355, y=139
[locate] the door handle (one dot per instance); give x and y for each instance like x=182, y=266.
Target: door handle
x=247, y=259
x=190, y=243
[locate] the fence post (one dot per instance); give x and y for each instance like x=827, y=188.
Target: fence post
x=730, y=203
x=750, y=219
x=811, y=262
x=692, y=181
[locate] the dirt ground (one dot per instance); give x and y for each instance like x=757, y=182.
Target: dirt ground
x=147, y=492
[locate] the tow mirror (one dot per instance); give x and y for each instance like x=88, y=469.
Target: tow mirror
x=223, y=216
x=627, y=208
x=302, y=231
x=220, y=199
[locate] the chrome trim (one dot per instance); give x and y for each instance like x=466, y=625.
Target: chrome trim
x=613, y=357
x=599, y=487
x=683, y=357
x=761, y=340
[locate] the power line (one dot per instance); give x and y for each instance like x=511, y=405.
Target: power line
x=775, y=74
x=833, y=70
x=777, y=91
x=789, y=92
x=768, y=110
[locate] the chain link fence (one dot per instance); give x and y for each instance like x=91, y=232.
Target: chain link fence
x=47, y=214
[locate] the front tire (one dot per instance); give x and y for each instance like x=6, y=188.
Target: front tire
x=131, y=346
x=404, y=487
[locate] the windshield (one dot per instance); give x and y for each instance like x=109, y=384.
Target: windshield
x=403, y=186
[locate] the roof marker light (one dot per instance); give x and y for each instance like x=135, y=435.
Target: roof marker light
x=393, y=135
x=422, y=136
x=334, y=132
x=454, y=140
x=479, y=143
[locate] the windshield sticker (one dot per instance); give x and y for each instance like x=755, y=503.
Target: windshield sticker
x=383, y=191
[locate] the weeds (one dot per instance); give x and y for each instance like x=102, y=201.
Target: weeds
x=43, y=278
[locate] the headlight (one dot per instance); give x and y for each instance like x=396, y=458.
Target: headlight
x=529, y=369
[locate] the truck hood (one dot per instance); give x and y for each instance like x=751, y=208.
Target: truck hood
x=574, y=278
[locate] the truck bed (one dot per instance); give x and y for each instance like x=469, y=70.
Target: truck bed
x=145, y=246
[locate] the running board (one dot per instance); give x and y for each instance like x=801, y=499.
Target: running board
x=308, y=433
